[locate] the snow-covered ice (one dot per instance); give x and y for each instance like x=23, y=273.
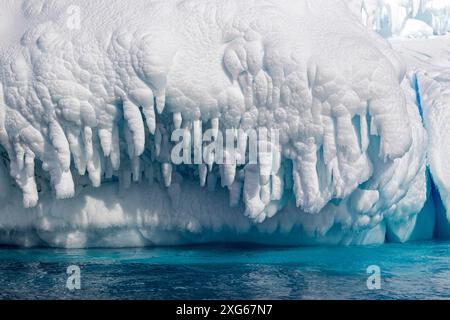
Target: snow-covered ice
x=92, y=91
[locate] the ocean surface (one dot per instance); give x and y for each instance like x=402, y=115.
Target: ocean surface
x=409, y=271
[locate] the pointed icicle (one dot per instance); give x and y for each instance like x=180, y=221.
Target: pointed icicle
x=60, y=143
x=28, y=182
x=254, y=205
x=166, y=169
x=64, y=186
x=88, y=147
x=76, y=148
x=160, y=101
x=150, y=117
x=105, y=136
x=115, y=149
x=146, y=100
x=20, y=156
x=364, y=133
x=177, y=120
x=203, y=173
x=29, y=192
x=135, y=124
x=93, y=162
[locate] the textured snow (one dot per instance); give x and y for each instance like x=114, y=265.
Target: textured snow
x=87, y=115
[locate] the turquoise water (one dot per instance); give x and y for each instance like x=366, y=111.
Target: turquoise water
x=410, y=271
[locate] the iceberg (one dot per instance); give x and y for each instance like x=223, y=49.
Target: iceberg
x=93, y=93
x=403, y=18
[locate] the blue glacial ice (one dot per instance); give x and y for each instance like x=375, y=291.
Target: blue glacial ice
x=91, y=92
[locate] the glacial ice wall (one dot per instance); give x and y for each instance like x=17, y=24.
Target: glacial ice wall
x=91, y=92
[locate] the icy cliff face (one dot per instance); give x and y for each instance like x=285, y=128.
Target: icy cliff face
x=430, y=61
x=91, y=92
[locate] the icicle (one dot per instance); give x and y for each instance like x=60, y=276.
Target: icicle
x=89, y=149
x=160, y=101
x=145, y=99
x=29, y=164
x=105, y=136
x=135, y=124
x=60, y=143
x=76, y=149
x=29, y=188
x=150, y=117
x=64, y=186
x=177, y=120
x=93, y=160
x=203, y=173
x=364, y=133
x=166, y=169
x=20, y=156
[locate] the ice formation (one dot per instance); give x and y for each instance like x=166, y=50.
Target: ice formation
x=404, y=18
x=91, y=92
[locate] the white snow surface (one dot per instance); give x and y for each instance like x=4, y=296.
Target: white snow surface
x=86, y=116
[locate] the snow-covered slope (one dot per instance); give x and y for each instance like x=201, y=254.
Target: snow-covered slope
x=91, y=92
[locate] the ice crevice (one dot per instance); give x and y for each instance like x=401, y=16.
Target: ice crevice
x=87, y=120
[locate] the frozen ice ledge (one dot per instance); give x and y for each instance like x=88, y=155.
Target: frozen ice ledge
x=90, y=92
